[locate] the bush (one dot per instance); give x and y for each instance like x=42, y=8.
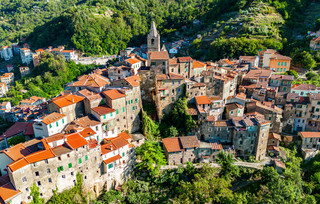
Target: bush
x=16, y=140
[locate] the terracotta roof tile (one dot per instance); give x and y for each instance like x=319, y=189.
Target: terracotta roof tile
x=67, y=100
x=159, y=55
x=172, y=144
x=309, y=134
x=7, y=192
x=87, y=132
x=93, y=143
x=198, y=64
x=89, y=95
x=112, y=159
x=124, y=135
x=18, y=164
x=133, y=80
x=55, y=137
x=307, y=87
x=75, y=141
x=103, y=109
x=15, y=129
x=91, y=80
x=185, y=59
x=189, y=141
x=119, y=142
x=255, y=74
x=106, y=148
x=232, y=106
x=86, y=122
x=200, y=100
x=52, y=117
x=113, y=94
x=132, y=60
x=273, y=135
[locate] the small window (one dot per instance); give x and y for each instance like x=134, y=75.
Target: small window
x=70, y=165
x=110, y=166
x=117, y=111
x=131, y=100
x=80, y=161
x=123, y=154
x=71, y=173
x=39, y=183
x=123, y=109
x=63, y=176
x=60, y=168
x=86, y=158
x=49, y=180
x=24, y=179
x=104, y=116
x=111, y=114
x=62, y=120
x=37, y=173
x=48, y=171
x=50, y=125
x=57, y=124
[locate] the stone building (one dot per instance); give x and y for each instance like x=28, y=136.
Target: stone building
x=153, y=39
x=7, y=78
x=119, y=72
x=234, y=110
x=194, y=89
x=181, y=65
x=180, y=150
x=54, y=162
x=94, y=82
x=3, y=89
x=49, y=125
x=248, y=136
x=283, y=82
x=91, y=100
x=310, y=140
x=24, y=71
x=70, y=105
x=107, y=117
x=168, y=89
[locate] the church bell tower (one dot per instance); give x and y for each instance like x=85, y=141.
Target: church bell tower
x=153, y=39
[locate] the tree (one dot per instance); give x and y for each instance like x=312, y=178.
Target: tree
x=149, y=127
x=172, y=132
x=151, y=156
x=292, y=73
x=304, y=58
x=36, y=195
x=228, y=170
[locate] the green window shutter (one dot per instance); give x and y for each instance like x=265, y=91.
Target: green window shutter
x=123, y=154
x=86, y=158
x=117, y=111
x=163, y=92
x=57, y=124
x=163, y=82
x=281, y=70
x=133, y=108
x=70, y=165
x=61, y=168
x=111, y=114
x=110, y=166
x=131, y=101
x=50, y=125
x=277, y=69
x=62, y=120
x=285, y=64
x=281, y=63
x=136, y=100
x=284, y=69
x=111, y=123
x=126, y=102
x=58, y=169
x=278, y=63
x=80, y=161
x=104, y=116
x=123, y=109
x=106, y=127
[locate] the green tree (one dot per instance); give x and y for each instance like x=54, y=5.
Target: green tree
x=149, y=127
x=304, y=58
x=172, y=132
x=228, y=169
x=151, y=156
x=292, y=73
x=35, y=194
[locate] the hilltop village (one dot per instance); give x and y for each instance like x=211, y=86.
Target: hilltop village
x=244, y=106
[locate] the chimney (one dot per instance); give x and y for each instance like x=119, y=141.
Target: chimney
x=111, y=147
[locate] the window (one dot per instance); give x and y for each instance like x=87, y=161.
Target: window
x=163, y=82
x=71, y=173
x=111, y=114
x=136, y=100
x=50, y=125
x=131, y=100
x=281, y=63
x=80, y=161
x=48, y=171
x=281, y=70
x=49, y=180
x=57, y=124
x=37, y=173
x=63, y=176
x=123, y=109
x=110, y=166
x=59, y=158
x=60, y=168
x=133, y=108
x=284, y=69
x=24, y=179
x=123, y=154
x=278, y=63
x=39, y=183
x=117, y=111
x=163, y=92
x=86, y=158
x=277, y=69
x=172, y=82
x=285, y=64
x=70, y=165
x=62, y=120
x=104, y=116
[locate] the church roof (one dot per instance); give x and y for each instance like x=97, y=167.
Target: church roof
x=153, y=30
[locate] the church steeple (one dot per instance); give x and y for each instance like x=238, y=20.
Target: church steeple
x=153, y=39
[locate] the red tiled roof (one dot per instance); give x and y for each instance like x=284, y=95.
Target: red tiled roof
x=273, y=135
x=112, y=159
x=216, y=146
x=55, y=137
x=133, y=80
x=185, y=59
x=132, y=60
x=170, y=76
x=67, y=100
x=17, y=152
x=197, y=64
x=114, y=94
x=159, y=55
x=106, y=148
x=103, y=109
x=93, y=143
x=75, y=141
x=172, y=144
x=309, y=134
x=7, y=192
x=87, y=132
x=232, y=106
x=39, y=156
x=15, y=129
x=52, y=117
x=119, y=142
x=305, y=87
x=124, y=135
x=202, y=100
x=91, y=80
